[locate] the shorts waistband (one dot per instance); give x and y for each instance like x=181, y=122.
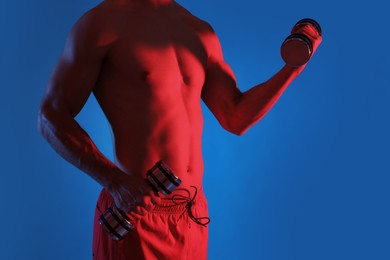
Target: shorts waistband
x=181, y=199
x=183, y=203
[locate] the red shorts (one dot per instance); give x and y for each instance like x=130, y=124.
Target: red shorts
x=165, y=232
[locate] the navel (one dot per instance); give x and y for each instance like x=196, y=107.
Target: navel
x=186, y=79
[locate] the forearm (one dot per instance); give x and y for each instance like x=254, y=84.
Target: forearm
x=254, y=104
x=71, y=142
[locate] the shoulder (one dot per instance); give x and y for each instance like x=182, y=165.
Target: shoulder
x=94, y=28
x=90, y=20
x=195, y=21
x=205, y=31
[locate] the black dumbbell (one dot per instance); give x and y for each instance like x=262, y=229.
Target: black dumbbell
x=117, y=223
x=297, y=48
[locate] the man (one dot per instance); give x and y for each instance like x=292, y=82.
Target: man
x=149, y=63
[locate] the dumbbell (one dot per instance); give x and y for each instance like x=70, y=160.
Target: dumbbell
x=117, y=223
x=297, y=48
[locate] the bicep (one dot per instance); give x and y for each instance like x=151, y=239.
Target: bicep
x=77, y=69
x=70, y=85
x=220, y=92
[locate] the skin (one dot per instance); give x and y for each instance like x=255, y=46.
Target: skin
x=149, y=64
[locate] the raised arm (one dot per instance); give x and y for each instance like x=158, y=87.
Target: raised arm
x=237, y=111
x=69, y=87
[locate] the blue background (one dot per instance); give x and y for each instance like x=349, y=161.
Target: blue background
x=310, y=181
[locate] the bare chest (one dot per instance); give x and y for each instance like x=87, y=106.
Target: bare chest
x=160, y=49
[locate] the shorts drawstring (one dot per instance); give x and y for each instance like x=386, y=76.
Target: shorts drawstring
x=179, y=199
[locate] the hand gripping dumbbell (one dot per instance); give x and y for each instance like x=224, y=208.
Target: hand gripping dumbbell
x=298, y=48
x=117, y=223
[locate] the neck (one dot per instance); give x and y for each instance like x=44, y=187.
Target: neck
x=151, y=3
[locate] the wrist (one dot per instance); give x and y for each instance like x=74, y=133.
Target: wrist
x=113, y=178
x=294, y=71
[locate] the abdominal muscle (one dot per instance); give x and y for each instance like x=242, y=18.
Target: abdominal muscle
x=152, y=123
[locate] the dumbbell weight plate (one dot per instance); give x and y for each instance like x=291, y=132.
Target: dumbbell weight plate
x=296, y=50
x=311, y=22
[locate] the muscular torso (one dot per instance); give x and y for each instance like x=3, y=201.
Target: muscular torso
x=149, y=88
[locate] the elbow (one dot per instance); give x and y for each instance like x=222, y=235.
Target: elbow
x=45, y=116
x=235, y=126
x=42, y=118
x=233, y=121
x=237, y=130
x=238, y=124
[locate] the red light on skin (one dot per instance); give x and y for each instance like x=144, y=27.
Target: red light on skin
x=106, y=38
